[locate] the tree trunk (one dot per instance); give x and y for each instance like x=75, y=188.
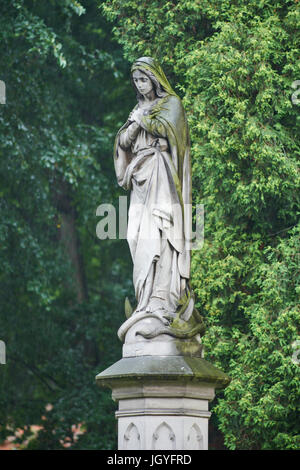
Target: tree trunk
x=69, y=238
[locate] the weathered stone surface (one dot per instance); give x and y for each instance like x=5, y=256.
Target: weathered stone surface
x=163, y=401
x=163, y=367
x=133, y=333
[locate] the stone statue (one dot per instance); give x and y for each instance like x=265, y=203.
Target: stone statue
x=162, y=383
x=152, y=160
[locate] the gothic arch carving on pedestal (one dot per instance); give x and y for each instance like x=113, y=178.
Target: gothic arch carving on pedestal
x=132, y=438
x=163, y=438
x=195, y=438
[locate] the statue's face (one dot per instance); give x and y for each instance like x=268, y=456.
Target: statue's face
x=143, y=83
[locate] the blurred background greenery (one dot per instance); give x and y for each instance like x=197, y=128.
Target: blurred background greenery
x=66, y=69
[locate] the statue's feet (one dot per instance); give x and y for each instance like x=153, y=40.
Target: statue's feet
x=160, y=308
x=157, y=303
x=156, y=308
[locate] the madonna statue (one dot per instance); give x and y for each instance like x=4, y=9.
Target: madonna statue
x=152, y=160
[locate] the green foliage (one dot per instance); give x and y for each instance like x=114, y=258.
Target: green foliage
x=234, y=64
x=64, y=80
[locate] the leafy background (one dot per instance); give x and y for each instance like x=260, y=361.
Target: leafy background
x=66, y=68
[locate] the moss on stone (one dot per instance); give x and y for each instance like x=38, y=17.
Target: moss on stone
x=163, y=368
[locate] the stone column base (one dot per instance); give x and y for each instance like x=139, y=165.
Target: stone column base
x=163, y=401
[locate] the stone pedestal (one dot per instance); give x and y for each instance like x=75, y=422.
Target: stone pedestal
x=163, y=400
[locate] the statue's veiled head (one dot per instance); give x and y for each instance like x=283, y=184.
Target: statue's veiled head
x=151, y=68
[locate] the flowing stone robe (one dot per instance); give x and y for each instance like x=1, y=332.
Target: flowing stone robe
x=152, y=159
